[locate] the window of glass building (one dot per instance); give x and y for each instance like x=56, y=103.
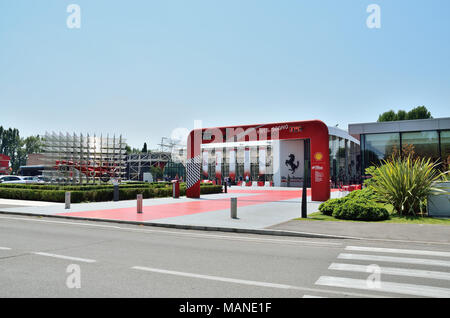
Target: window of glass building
x=424, y=144
x=445, y=148
x=379, y=147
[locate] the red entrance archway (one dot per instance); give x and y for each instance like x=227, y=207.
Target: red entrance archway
x=314, y=130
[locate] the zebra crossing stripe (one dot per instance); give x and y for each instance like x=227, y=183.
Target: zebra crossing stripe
x=379, y=258
x=397, y=251
x=392, y=271
x=388, y=287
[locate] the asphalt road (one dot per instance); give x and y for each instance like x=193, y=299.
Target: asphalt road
x=43, y=257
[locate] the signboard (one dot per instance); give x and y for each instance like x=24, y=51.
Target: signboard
x=292, y=163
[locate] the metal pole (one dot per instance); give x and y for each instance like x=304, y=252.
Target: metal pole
x=67, y=200
x=233, y=208
x=304, y=194
x=226, y=191
x=139, y=203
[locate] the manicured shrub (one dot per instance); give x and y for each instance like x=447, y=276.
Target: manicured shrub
x=54, y=193
x=211, y=189
x=364, y=196
x=328, y=207
x=351, y=210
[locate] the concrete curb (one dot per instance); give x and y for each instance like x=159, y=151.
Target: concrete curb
x=190, y=227
x=227, y=229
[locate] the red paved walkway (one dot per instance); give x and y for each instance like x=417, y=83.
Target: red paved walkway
x=186, y=208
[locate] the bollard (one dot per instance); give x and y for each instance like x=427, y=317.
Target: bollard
x=175, y=189
x=233, y=208
x=67, y=200
x=139, y=203
x=226, y=191
x=116, y=192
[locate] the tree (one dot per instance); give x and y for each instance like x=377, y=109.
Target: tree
x=144, y=149
x=18, y=148
x=130, y=150
x=387, y=116
x=10, y=145
x=157, y=172
x=402, y=115
x=420, y=112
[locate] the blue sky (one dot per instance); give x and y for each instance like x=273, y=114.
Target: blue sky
x=143, y=68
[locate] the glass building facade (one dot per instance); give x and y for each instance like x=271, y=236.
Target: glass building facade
x=434, y=144
x=345, y=161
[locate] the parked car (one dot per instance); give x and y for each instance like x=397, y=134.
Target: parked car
x=11, y=179
x=30, y=179
x=42, y=179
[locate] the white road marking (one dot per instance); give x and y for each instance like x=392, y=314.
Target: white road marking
x=5, y=248
x=311, y=296
x=78, y=259
x=388, y=287
x=379, y=258
x=392, y=271
x=249, y=282
x=217, y=278
x=195, y=235
x=397, y=251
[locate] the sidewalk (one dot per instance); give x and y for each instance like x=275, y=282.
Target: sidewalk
x=387, y=231
x=269, y=212
x=257, y=209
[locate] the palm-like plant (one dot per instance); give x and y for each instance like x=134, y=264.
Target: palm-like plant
x=406, y=183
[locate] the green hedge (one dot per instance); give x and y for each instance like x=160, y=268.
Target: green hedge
x=328, y=207
x=358, y=205
x=352, y=210
x=33, y=195
x=96, y=195
x=82, y=187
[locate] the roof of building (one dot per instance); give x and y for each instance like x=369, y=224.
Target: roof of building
x=334, y=131
x=400, y=126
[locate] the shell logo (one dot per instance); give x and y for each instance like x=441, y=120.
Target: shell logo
x=318, y=156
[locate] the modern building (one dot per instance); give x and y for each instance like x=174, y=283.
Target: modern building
x=422, y=138
x=280, y=162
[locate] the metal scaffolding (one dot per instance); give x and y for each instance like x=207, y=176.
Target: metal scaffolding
x=138, y=163
x=79, y=159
